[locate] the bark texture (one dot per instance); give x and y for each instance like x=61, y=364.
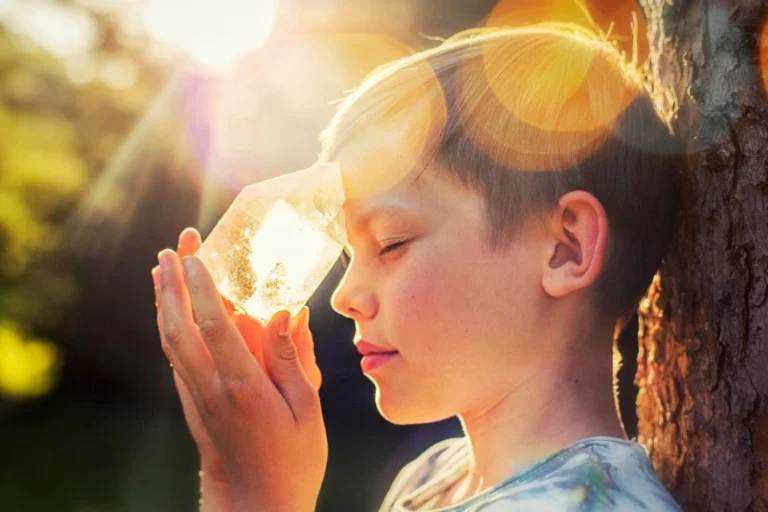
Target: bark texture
x=703, y=327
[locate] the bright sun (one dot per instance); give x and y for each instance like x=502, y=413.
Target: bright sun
x=214, y=32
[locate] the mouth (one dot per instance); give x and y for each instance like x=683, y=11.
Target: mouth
x=374, y=360
x=366, y=348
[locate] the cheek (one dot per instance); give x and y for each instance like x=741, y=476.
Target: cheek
x=428, y=303
x=416, y=291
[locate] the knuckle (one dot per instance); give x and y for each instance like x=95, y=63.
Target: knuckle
x=209, y=402
x=193, y=282
x=166, y=285
x=211, y=329
x=238, y=391
x=288, y=355
x=172, y=334
x=288, y=352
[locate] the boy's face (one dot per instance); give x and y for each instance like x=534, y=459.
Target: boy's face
x=463, y=320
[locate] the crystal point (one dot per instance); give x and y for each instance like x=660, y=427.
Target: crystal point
x=277, y=241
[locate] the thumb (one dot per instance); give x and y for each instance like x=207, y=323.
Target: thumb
x=282, y=361
x=305, y=345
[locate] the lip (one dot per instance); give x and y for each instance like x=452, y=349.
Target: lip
x=374, y=360
x=366, y=348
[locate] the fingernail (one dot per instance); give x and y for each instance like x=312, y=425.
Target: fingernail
x=305, y=316
x=165, y=258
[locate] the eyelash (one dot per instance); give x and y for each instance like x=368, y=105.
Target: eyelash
x=391, y=247
x=346, y=258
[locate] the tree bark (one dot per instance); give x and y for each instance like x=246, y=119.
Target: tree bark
x=703, y=327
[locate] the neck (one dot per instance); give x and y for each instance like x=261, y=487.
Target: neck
x=548, y=409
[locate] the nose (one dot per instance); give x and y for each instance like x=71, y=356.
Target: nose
x=353, y=297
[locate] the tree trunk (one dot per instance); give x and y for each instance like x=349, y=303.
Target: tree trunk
x=703, y=327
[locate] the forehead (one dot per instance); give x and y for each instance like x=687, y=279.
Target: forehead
x=428, y=193
x=406, y=197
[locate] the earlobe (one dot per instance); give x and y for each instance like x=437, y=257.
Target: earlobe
x=578, y=235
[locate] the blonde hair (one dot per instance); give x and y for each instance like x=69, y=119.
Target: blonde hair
x=525, y=115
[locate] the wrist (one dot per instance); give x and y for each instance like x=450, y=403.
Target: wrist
x=215, y=493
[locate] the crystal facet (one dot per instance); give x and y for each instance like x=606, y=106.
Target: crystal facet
x=277, y=241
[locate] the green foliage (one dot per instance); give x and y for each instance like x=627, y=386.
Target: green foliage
x=26, y=365
x=56, y=139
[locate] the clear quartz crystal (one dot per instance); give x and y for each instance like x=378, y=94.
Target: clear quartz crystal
x=277, y=241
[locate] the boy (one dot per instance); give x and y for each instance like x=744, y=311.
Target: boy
x=509, y=196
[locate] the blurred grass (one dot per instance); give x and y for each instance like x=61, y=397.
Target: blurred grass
x=70, y=456
x=78, y=457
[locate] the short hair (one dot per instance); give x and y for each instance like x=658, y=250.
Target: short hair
x=524, y=115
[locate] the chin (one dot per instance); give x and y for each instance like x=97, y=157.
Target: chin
x=407, y=410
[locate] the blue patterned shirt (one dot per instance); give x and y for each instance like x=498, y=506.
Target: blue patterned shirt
x=593, y=474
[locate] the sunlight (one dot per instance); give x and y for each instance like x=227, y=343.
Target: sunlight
x=60, y=30
x=554, y=97
x=614, y=18
x=27, y=367
x=108, y=198
x=388, y=138
x=265, y=264
x=215, y=33
x=290, y=239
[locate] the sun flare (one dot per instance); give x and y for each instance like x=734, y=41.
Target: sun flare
x=215, y=33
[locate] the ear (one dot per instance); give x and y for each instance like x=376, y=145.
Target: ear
x=579, y=233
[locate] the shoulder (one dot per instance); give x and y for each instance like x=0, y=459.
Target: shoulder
x=598, y=473
x=625, y=477
x=436, y=462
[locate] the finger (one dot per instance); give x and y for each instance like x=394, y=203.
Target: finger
x=178, y=368
x=188, y=406
x=305, y=345
x=156, y=282
x=189, y=242
x=228, y=305
x=252, y=332
x=181, y=341
x=225, y=344
x=282, y=361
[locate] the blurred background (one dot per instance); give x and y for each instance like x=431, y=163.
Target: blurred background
x=121, y=123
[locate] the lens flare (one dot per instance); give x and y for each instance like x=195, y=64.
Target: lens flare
x=391, y=117
x=549, y=100
x=215, y=33
x=614, y=18
x=354, y=55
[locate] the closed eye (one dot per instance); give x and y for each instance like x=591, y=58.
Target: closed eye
x=391, y=247
x=346, y=258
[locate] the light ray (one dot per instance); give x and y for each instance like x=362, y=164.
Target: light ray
x=114, y=195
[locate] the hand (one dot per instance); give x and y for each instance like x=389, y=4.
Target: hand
x=216, y=493
x=255, y=419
